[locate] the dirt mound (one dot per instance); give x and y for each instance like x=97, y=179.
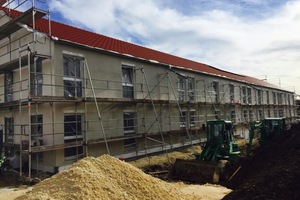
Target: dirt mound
x=104, y=177
x=272, y=173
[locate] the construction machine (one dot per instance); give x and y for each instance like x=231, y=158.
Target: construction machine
x=214, y=162
x=267, y=129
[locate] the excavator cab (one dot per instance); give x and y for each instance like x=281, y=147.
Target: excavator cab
x=218, y=153
x=268, y=128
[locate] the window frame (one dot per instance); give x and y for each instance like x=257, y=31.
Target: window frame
x=73, y=138
x=8, y=85
x=128, y=82
x=75, y=80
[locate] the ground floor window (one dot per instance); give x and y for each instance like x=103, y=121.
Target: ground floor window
x=73, y=135
x=9, y=129
x=129, y=129
x=37, y=130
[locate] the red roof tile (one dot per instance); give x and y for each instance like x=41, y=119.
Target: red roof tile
x=79, y=36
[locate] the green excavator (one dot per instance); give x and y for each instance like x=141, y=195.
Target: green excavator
x=266, y=129
x=219, y=154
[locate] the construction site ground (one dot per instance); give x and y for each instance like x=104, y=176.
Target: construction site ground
x=271, y=172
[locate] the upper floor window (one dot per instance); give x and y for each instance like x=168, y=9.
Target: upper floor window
x=249, y=95
x=268, y=97
x=191, y=88
x=231, y=91
x=244, y=95
x=36, y=78
x=72, y=76
x=181, y=88
x=260, y=96
x=274, y=98
x=127, y=82
x=216, y=91
x=8, y=86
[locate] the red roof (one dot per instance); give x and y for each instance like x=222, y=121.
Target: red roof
x=83, y=37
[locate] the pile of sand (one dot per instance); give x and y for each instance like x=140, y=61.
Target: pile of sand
x=167, y=158
x=103, y=178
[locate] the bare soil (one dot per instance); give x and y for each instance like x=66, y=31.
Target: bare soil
x=273, y=172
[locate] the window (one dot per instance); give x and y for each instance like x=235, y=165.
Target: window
x=245, y=115
x=129, y=129
x=9, y=129
x=274, y=98
x=244, y=95
x=192, y=118
x=289, y=100
x=232, y=116
x=191, y=88
x=181, y=88
x=275, y=113
x=260, y=96
x=260, y=113
x=279, y=98
x=281, y=114
x=8, y=86
x=231, y=90
x=36, y=78
x=269, y=113
x=250, y=115
x=37, y=130
x=268, y=97
x=127, y=82
x=72, y=76
x=73, y=134
x=183, y=119
x=215, y=86
x=249, y=96
x=217, y=115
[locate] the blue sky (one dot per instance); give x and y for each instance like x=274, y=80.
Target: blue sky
x=260, y=38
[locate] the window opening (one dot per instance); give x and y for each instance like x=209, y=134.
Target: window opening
x=183, y=119
x=72, y=76
x=36, y=78
x=127, y=82
x=8, y=86
x=216, y=91
x=72, y=134
x=191, y=88
x=181, y=88
x=249, y=95
x=37, y=130
x=129, y=129
x=231, y=90
x=9, y=129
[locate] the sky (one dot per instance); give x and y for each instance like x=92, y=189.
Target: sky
x=259, y=38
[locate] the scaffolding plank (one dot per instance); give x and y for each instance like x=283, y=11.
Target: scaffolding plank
x=26, y=18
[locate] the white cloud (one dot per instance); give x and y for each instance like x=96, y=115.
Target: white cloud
x=219, y=37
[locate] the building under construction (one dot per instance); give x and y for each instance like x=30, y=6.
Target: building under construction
x=67, y=93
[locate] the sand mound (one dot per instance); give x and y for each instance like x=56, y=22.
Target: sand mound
x=167, y=158
x=103, y=178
